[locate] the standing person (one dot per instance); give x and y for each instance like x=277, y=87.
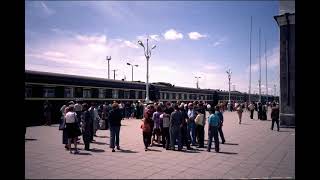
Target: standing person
x=92, y=115
x=63, y=111
x=259, y=111
x=239, y=112
x=184, y=128
x=165, y=116
x=86, y=130
x=191, y=124
x=78, y=110
x=275, y=115
x=200, y=128
x=156, y=128
x=148, y=114
x=146, y=133
x=213, y=123
x=72, y=128
x=251, y=109
x=115, y=123
x=175, y=125
x=47, y=112
x=220, y=115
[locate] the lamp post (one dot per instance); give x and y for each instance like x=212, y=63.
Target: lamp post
x=147, y=54
x=132, y=69
x=108, y=59
x=229, y=77
x=114, y=73
x=197, y=81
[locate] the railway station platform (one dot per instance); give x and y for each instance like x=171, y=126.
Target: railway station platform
x=251, y=150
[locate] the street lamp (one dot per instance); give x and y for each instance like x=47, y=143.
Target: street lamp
x=197, y=81
x=108, y=59
x=229, y=77
x=132, y=68
x=147, y=54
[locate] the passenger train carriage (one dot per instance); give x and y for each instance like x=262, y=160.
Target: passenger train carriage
x=61, y=88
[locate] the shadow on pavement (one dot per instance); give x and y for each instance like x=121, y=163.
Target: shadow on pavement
x=103, y=136
x=99, y=143
x=190, y=151
x=230, y=143
x=127, y=151
x=83, y=153
x=154, y=150
x=30, y=139
x=284, y=131
x=97, y=150
x=227, y=152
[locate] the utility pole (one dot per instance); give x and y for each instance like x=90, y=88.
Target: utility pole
x=250, y=63
x=265, y=53
x=108, y=59
x=197, y=81
x=259, y=66
x=114, y=73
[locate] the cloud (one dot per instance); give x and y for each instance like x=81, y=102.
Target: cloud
x=219, y=41
x=273, y=59
x=196, y=35
x=130, y=44
x=92, y=38
x=46, y=9
x=172, y=34
x=155, y=37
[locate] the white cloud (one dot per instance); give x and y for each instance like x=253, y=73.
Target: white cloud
x=219, y=41
x=130, y=44
x=155, y=37
x=196, y=35
x=46, y=9
x=54, y=54
x=172, y=34
x=92, y=38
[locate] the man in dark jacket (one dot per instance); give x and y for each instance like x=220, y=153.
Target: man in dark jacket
x=86, y=127
x=275, y=115
x=115, y=123
x=175, y=125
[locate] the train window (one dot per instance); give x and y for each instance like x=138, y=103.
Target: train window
x=78, y=92
x=121, y=94
x=86, y=93
x=28, y=92
x=114, y=93
x=202, y=98
x=126, y=94
x=108, y=93
x=173, y=96
x=137, y=95
x=170, y=95
x=143, y=95
x=161, y=95
x=68, y=92
x=132, y=94
x=102, y=93
x=185, y=96
x=140, y=95
x=48, y=92
x=164, y=95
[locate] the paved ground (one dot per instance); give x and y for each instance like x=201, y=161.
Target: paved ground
x=252, y=150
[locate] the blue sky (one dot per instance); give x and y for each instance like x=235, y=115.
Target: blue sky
x=193, y=39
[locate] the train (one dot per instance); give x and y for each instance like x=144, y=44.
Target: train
x=61, y=88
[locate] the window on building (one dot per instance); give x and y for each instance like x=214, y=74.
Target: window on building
x=28, y=92
x=126, y=94
x=48, y=92
x=137, y=95
x=108, y=93
x=140, y=95
x=185, y=96
x=173, y=96
x=86, y=93
x=115, y=93
x=102, y=93
x=143, y=95
x=68, y=92
x=161, y=95
x=132, y=94
x=121, y=94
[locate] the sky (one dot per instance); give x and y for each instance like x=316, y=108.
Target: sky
x=192, y=39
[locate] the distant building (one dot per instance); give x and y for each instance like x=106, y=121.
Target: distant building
x=286, y=23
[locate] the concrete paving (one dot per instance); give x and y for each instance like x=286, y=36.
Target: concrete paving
x=251, y=150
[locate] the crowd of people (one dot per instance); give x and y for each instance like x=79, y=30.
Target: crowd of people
x=167, y=125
